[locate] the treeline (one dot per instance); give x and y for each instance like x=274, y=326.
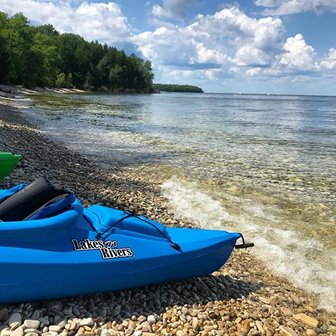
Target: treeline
x=176, y=88
x=41, y=56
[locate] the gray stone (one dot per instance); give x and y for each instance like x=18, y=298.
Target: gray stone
x=44, y=321
x=3, y=314
x=15, y=320
x=76, y=311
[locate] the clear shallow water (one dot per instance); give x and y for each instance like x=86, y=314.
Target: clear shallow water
x=263, y=165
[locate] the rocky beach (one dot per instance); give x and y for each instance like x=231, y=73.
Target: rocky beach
x=242, y=298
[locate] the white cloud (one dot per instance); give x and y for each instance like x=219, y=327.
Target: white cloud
x=223, y=40
x=253, y=72
x=104, y=22
x=296, y=59
x=329, y=63
x=284, y=7
x=298, y=56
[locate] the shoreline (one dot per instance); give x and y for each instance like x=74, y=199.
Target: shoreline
x=239, y=299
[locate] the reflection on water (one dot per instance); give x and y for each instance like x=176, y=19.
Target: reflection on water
x=267, y=163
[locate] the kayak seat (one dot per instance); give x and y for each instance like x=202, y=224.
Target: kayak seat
x=37, y=200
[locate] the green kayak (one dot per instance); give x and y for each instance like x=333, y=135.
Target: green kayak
x=8, y=162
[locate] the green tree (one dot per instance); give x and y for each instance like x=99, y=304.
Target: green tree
x=41, y=56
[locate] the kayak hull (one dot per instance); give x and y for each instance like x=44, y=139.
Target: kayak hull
x=100, y=249
x=50, y=281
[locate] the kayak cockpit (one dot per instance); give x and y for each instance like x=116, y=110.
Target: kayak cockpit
x=37, y=200
x=30, y=212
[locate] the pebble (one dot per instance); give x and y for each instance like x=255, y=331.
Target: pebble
x=75, y=311
x=31, y=334
x=6, y=332
x=15, y=320
x=17, y=332
x=54, y=328
x=32, y=324
x=286, y=331
x=105, y=333
x=309, y=321
x=86, y=322
x=3, y=314
x=151, y=319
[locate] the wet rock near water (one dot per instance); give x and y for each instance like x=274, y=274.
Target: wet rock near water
x=242, y=298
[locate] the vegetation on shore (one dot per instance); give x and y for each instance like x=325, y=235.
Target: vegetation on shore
x=176, y=88
x=41, y=56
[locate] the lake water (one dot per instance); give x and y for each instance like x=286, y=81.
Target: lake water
x=263, y=165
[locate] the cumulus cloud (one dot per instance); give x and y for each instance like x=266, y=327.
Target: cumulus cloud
x=104, y=22
x=329, y=63
x=285, y=7
x=298, y=56
x=224, y=39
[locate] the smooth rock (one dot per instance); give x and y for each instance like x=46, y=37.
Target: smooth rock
x=18, y=332
x=3, y=314
x=286, y=331
x=62, y=323
x=55, y=328
x=307, y=320
x=245, y=327
x=86, y=322
x=28, y=330
x=151, y=319
x=5, y=332
x=296, y=299
x=75, y=311
x=260, y=327
x=32, y=334
x=32, y=324
x=286, y=311
x=15, y=319
x=35, y=315
x=44, y=320
x=14, y=325
x=195, y=324
x=105, y=332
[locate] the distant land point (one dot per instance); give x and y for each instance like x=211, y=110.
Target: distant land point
x=176, y=88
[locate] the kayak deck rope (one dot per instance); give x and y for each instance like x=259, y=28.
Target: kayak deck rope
x=128, y=215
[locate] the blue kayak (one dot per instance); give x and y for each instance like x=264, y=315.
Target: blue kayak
x=53, y=247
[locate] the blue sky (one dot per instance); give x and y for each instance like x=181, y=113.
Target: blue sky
x=256, y=46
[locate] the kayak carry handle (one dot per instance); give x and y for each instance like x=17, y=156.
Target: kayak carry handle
x=243, y=245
